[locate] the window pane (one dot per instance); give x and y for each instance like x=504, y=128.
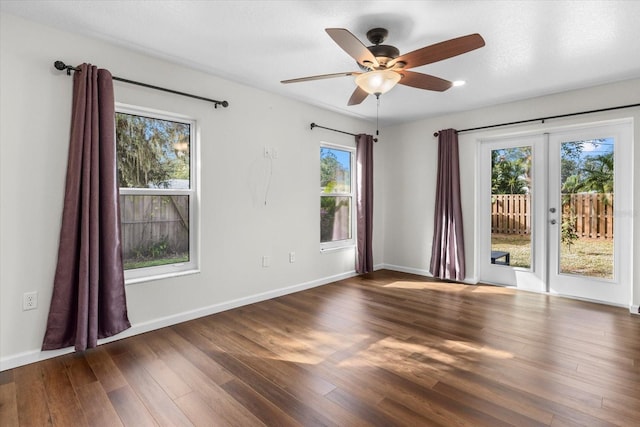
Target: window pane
x=511, y=187
x=335, y=170
x=586, y=237
x=335, y=218
x=152, y=153
x=155, y=230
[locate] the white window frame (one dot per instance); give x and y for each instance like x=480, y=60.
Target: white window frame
x=192, y=266
x=347, y=243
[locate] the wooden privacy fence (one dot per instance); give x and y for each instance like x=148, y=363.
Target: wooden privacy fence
x=511, y=213
x=592, y=213
x=154, y=225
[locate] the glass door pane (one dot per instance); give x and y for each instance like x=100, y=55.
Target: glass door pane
x=511, y=187
x=587, y=197
x=590, y=171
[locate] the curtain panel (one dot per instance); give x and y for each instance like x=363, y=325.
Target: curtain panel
x=88, y=300
x=364, y=203
x=447, y=250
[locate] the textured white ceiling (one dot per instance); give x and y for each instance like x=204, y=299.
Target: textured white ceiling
x=532, y=48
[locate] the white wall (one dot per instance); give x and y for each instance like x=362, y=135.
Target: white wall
x=411, y=158
x=237, y=229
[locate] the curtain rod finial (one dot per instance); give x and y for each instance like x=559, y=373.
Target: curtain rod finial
x=436, y=134
x=62, y=66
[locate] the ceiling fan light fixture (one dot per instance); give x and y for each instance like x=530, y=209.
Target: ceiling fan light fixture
x=378, y=82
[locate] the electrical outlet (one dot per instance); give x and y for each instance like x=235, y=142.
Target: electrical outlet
x=29, y=301
x=292, y=257
x=266, y=261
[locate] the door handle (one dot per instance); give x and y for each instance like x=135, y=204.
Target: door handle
x=553, y=222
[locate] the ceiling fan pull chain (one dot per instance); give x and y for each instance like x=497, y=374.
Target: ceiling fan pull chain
x=377, y=113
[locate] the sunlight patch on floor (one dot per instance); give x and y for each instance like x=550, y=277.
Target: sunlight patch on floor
x=438, y=286
x=395, y=354
x=313, y=347
x=494, y=290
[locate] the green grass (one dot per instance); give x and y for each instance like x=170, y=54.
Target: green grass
x=519, y=246
x=130, y=264
x=586, y=257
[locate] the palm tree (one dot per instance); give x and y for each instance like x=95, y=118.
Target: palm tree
x=510, y=171
x=598, y=174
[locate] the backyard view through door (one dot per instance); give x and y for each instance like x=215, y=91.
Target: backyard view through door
x=554, y=208
x=590, y=231
x=511, y=182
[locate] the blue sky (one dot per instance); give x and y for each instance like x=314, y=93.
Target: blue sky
x=341, y=156
x=597, y=148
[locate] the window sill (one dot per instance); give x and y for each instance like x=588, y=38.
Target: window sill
x=337, y=248
x=136, y=280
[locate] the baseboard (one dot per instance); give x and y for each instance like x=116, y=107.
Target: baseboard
x=379, y=267
x=410, y=270
x=27, y=357
x=634, y=309
x=421, y=272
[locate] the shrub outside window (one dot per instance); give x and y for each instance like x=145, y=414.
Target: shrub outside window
x=336, y=196
x=157, y=180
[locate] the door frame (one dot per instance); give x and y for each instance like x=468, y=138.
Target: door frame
x=537, y=278
x=610, y=291
x=533, y=278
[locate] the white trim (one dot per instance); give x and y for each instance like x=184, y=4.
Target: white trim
x=151, y=278
x=425, y=273
x=379, y=267
x=410, y=270
x=193, y=192
x=27, y=357
x=352, y=195
x=543, y=280
x=336, y=248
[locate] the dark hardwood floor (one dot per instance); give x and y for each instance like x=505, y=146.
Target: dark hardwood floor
x=383, y=349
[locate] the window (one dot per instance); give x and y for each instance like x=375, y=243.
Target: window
x=158, y=198
x=336, y=196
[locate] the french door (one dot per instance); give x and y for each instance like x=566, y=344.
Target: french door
x=555, y=212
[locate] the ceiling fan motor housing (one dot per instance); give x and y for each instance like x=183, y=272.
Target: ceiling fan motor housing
x=383, y=53
x=377, y=35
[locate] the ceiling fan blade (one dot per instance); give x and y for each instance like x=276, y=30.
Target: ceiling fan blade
x=321, y=76
x=424, y=81
x=357, y=96
x=439, y=51
x=354, y=47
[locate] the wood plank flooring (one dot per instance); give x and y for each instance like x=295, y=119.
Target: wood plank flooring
x=383, y=349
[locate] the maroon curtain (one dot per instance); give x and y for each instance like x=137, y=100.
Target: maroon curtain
x=88, y=299
x=447, y=251
x=364, y=204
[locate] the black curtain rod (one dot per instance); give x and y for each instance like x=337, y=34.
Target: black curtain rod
x=542, y=119
x=62, y=66
x=313, y=125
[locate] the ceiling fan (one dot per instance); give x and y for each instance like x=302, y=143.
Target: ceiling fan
x=383, y=67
